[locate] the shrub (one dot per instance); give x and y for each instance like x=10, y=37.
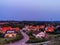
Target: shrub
x=36, y=40
x=1, y=35
x=31, y=37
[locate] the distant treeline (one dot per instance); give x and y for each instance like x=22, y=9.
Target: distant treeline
x=34, y=22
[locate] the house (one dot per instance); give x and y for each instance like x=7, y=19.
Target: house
x=39, y=35
x=42, y=26
x=4, y=29
x=49, y=29
x=10, y=34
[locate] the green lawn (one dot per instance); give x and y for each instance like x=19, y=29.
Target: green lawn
x=32, y=39
x=38, y=40
x=55, y=39
x=8, y=40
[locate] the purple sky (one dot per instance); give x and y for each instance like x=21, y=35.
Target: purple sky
x=37, y=10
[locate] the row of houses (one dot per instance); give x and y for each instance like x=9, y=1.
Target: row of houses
x=37, y=30
x=49, y=28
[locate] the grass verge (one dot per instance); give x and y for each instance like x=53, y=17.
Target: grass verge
x=10, y=40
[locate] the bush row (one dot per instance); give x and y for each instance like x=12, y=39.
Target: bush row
x=36, y=40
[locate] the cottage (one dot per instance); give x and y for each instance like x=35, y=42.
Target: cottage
x=4, y=29
x=40, y=35
x=49, y=29
x=10, y=33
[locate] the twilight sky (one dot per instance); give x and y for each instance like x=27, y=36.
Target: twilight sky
x=37, y=10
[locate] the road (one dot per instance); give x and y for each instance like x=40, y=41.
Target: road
x=22, y=42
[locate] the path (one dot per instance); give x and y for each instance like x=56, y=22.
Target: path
x=21, y=42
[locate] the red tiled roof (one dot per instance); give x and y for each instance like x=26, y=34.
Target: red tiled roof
x=9, y=28
x=50, y=29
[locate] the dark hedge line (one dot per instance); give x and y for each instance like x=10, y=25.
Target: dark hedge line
x=36, y=40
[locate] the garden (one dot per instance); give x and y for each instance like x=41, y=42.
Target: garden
x=33, y=39
x=4, y=41
x=53, y=38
